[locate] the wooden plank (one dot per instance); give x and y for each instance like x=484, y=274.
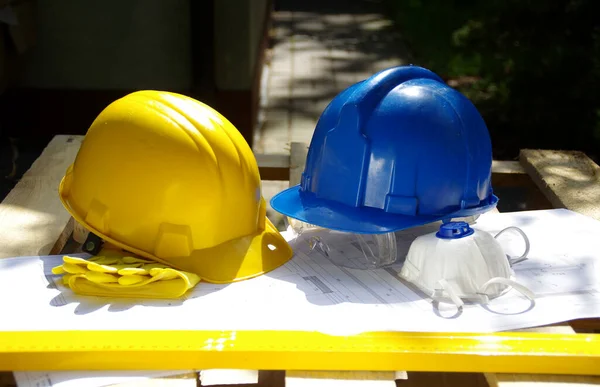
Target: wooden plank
x=274, y=174
x=273, y=166
x=278, y=166
x=271, y=378
x=7, y=379
x=519, y=187
x=32, y=218
x=502, y=166
x=274, y=160
x=298, y=153
x=569, y=179
x=443, y=379
x=586, y=325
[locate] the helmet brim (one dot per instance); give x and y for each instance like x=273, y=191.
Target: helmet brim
x=363, y=220
x=238, y=259
x=235, y=260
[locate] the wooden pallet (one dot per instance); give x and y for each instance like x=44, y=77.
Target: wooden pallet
x=33, y=222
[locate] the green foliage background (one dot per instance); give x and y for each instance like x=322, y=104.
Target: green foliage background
x=532, y=67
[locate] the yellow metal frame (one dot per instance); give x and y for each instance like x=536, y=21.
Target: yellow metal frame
x=511, y=352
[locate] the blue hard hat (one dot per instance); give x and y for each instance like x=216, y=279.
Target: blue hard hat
x=397, y=150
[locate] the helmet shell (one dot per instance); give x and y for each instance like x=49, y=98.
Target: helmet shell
x=169, y=178
x=397, y=150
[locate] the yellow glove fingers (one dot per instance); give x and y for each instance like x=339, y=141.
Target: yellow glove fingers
x=135, y=260
x=111, y=253
x=132, y=279
x=101, y=278
x=118, y=276
x=100, y=260
x=74, y=269
x=143, y=270
x=192, y=279
x=65, y=279
x=165, y=274
x=133, y=271
x=151, y=266
x=106, y=261
x=74, y=260
x=58, y=270
x=93, y=266
x=127, y=266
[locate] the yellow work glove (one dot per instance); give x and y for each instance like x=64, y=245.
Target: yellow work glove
x=130, y=277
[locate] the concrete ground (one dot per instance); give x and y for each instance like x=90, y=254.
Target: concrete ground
x=319, y=49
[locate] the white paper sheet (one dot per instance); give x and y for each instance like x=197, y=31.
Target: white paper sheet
x=310, y=293
x=228, y=377
x=85, y=379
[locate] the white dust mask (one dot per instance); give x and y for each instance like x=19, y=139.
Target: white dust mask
x=460, y=263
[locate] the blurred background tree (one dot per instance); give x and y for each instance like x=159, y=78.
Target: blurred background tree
x=532, y=67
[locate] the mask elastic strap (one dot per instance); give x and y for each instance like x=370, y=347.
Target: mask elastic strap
x=450, y=290
x=523, y=257
x=505, y=281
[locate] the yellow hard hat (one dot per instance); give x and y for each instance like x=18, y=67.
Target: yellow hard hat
x=167, y=177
